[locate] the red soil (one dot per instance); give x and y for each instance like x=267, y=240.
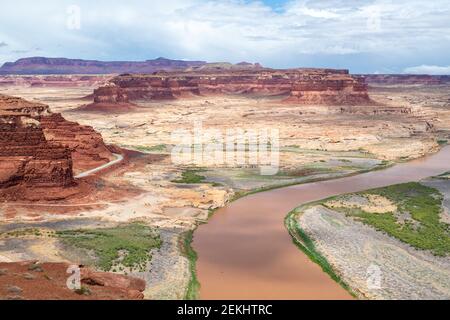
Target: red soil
x=48, y=281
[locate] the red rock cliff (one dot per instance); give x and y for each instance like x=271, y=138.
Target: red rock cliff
x=39, y=149
x=303, y=86
x=26, y=156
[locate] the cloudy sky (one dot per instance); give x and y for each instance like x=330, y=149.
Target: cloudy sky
x=365, y=36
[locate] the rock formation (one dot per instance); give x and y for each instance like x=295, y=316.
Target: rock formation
x=41, y=65
x=54, y=81
x=26, y=156
x=406, y=79
x=39, y=149
x=85, y=144
x=302, y=86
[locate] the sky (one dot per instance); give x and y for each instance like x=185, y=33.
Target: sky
x=365, y=36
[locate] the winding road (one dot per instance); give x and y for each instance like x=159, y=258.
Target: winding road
x=88, y=173
x=245, y=251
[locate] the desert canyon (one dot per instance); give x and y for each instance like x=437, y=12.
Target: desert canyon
x=85, y=155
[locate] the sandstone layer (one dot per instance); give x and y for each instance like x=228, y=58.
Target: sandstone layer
x=40, y=149
x=301, y=86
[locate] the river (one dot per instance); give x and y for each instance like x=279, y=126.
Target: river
x=245, y=251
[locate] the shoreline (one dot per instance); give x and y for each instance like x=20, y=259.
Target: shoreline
x=194, y=282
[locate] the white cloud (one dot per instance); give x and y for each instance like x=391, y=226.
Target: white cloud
x=401, y=33
x=425, y=69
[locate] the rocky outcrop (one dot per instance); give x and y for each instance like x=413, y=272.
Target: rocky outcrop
x=41, y=65
x=40, y=150
x=54, y=81
x=26, y=156
x=302, y=86
x=406, y=79
x=48, y=281
x=85, y=144
x=330, y=88
x=376, y=110
x=110, y=98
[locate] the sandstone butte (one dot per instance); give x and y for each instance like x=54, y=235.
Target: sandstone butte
x=301, y=86
x=40, y=151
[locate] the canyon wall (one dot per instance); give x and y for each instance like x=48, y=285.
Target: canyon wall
x=27, y=157
x=40, y=149
x=302, y=86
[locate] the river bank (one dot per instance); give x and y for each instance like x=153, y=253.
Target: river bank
x=387, y=243
x=232, y=231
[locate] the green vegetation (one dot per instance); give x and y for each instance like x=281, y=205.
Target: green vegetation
x=191, y=177
x=304, y=243
x=423, y=204
x=157, y=148
x=22, y=233
x=83, y=291
x=127, y=245
x=187, y=250
x=305, y=171
x=444, y=175
x=442, y=142
x=360, y=153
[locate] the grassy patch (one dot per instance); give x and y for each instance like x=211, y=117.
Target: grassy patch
x=442, y=142
x=127, y=245
x=157, y=148
x=191, y=177
x=29, y=232
x=305, y=172
x=187, y=250
x=22, y=233
x=423, y=204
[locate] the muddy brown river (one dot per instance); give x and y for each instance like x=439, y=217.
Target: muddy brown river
x=245, y=251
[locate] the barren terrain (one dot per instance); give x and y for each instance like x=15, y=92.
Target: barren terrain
x=316, y=142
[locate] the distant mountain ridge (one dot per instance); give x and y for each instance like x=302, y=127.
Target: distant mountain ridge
x=45, y=66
